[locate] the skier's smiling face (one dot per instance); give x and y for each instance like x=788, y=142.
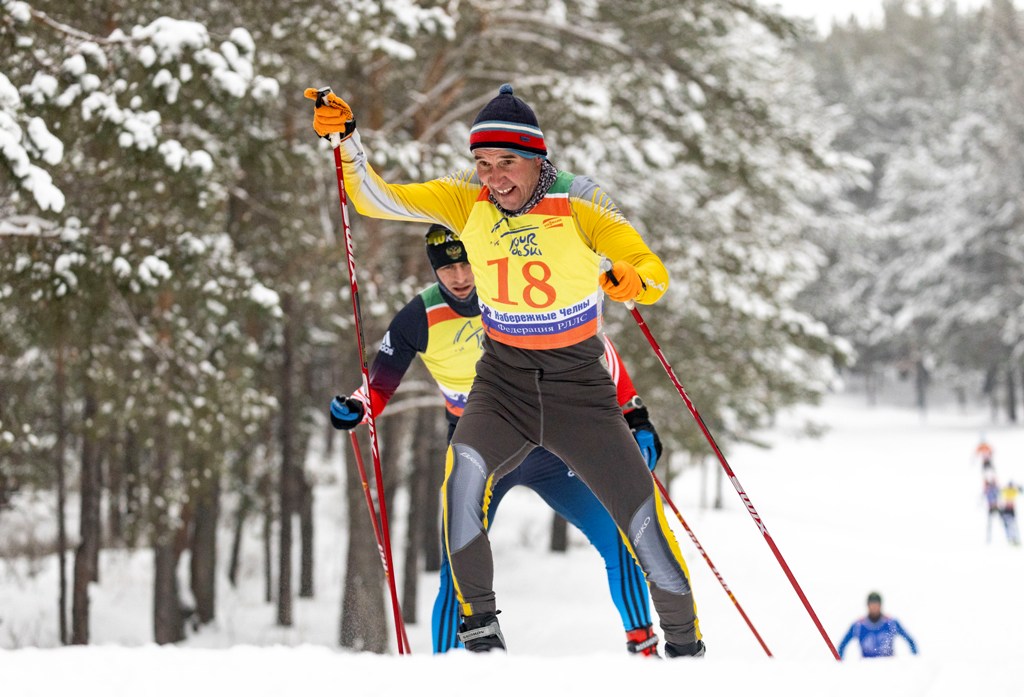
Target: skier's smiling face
x=510, y=177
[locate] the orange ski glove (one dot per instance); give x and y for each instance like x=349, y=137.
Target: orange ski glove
x=330, y=113
x=622, y=282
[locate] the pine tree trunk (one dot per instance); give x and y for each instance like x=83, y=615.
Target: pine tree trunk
x=244, y=506
x=203, y=548
x=961, y=397
x=418, y=524
x=284, y=565
x=990, y=391
x=132, y=490
x=921, y=379
x=62, y=536
x=102, y=454
x=240, y=476
x=168, y=620
x=268, y=538
x=331, y=434
x=89, y=529
x=1022, y=378
x=1011, y=396
x=434, y=475
x=115, y=498
x=306, y=537
x=288, y=477
x=363, y=617
x=328, y=432
x=871, y=381
x=304, y=487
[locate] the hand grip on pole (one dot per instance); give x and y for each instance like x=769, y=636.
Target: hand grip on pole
x=606, y=266
x=333, y=138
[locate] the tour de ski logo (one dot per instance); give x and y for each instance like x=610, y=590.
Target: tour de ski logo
x=524, y=246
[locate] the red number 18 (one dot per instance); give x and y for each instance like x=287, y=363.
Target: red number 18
x=536, y=275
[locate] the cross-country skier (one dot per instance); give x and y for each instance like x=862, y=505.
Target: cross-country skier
x=442, y=325
x=983, y=455
x=876, y=633
x=990, y=491
x=536, y=238
x=1008, y=510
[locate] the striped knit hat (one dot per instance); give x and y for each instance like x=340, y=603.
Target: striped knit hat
x=508, y=123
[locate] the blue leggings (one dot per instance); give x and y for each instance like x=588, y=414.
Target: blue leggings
x=549, y=477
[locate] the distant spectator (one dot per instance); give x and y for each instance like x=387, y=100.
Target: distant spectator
x=876, y=632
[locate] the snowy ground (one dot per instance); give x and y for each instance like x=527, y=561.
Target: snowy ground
x=886, y=500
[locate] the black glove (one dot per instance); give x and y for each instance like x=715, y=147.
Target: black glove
x=645, y=435
x=346, y=413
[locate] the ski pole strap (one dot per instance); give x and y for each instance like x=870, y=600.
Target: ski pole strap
x=606, y=266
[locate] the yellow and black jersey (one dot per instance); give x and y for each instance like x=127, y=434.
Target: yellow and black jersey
x=536, y=273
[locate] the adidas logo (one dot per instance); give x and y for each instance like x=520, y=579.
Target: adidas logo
x=385, y=345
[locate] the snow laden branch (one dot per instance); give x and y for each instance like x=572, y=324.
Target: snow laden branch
x=21, y=11
x=19, y=146
x=157, y=88
x=27, y=226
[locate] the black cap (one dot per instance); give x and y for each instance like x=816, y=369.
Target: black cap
x=444, y=247
x=874, y=597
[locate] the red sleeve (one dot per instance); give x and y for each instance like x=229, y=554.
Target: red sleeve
x=406, y=336
x=623, y=383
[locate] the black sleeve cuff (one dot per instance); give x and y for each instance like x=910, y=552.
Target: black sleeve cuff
x=638, y=418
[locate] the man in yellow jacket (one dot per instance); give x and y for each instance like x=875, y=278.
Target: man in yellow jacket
x=535, y=237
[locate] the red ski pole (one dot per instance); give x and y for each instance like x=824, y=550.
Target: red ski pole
x=375, y=452
x=696, y=542
x=607, y=268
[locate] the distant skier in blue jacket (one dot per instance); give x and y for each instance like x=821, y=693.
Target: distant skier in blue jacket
x=876, y=632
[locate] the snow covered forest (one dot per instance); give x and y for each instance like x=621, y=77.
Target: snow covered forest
x=174, y=296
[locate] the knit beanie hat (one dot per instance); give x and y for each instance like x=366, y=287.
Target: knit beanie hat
x=444, y=247
x=508, y=123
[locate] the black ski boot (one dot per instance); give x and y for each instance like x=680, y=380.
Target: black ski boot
x=481, y=633
x=694, y=650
